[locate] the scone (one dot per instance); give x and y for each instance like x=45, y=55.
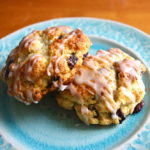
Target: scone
x=66, y=55
x=106, y=88
x=42, y=60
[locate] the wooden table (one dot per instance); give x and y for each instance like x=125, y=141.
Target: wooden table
x=15, y=14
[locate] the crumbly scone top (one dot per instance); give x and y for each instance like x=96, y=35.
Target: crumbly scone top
x=31, y=66
x=104, y=76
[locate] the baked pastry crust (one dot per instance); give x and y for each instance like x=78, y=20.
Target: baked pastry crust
x=106, y=89
x=43, y=60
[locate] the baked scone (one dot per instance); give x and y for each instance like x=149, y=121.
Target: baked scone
x=106, y=88
x=66, y=55
x=42, y=60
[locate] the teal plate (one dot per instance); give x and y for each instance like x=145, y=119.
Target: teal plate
x=47, y=127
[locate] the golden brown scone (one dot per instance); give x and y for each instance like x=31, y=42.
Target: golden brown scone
x=106, y=88
x=66, y=55
x=42, y=60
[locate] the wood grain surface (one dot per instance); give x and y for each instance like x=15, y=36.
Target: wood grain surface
x=15, y=14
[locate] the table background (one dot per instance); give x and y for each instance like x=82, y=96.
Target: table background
x=15, y=14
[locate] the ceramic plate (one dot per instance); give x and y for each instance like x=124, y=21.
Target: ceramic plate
x=47, y=127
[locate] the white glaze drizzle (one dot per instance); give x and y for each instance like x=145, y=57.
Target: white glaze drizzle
x=29, y=39
x=29, y=95
x=57, y=62
x=18, y=97
x=51, y=29
x=98, y=81
x=49, y=67
x=16, y=76
x=129, y=67
x=85, y=111
x=103, y=59
x=55, y=83
x=88, y=77
x=114, y=116
x=13, y=67
x=116, y=53
x=64, y=29
x=57, y=70
x=60, y=48
x=90, y=63
x=29, y=65
x=102, y=53
x=26, y=42
x=78, y=98
x=63, y=87
x=27, y=103
x=110, y=56
x=110, y=107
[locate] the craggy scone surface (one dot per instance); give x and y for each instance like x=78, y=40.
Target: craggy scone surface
x=42, y=61
x=107, y=88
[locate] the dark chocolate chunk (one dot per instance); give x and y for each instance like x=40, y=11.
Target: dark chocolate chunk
x=93, y=97
x=91, y=107
x=60, y=37
x=138, y=107
x=7, y=68
x=94, y=110
x=49, y=84
x=7, y=72
x=10, y=62
x=120, y=114
x=72, y=60
x=85, y=55
x=55, y=78
x=96, y=114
